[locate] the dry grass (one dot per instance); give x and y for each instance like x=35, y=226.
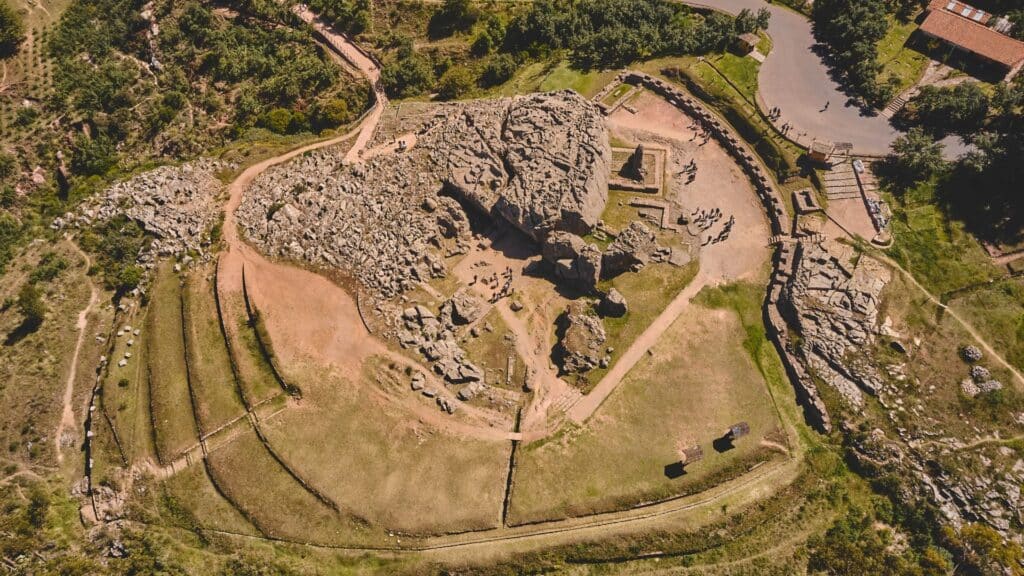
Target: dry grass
x=699, y=381
x=492, y=348
x=269, y=497
x=254, y=373
x=171, y=403
x=217, y=400
x=383, y=464
x=191, y=494
x=34, y=367
x=126, y=397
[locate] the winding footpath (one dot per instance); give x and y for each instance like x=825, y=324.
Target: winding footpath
x=67, y=418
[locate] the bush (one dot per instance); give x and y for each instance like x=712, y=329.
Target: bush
x=409, y=75
x=498, y=70
x=456, y=83
x=31, y=306
x=960, y=109
x=12, y=29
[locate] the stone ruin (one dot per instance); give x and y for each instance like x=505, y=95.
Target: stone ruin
x=631, y=250
x=433, y=335
x=178, y=205
x=834, y=306
x=539, y=162
x=582, y=348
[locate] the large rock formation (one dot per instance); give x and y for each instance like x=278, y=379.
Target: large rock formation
x=631, y=250
x=835, y=308
x=540, y=162
x=574, y=261
x=582, y=346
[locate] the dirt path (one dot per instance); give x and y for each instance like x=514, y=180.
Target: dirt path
x=586, y=406
x=952, y=314
x=344, y=47
x=67, y=419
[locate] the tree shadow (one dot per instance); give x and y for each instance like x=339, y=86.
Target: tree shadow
x=27, y=326
x=675, y=470
x=723, y=444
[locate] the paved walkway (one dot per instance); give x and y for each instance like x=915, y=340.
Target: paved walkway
x=794, y=78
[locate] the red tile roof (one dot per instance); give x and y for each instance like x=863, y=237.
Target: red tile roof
x=961, y=9
x=974, y=37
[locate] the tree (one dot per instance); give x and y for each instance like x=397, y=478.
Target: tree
x=31, y=307
x=915, y=157
x=852, y=29
x=12, y=30
x=959, y=109
x=455, y=83
x=408, y=76
x=746, y=22
x=498, y=70
x=331, y=114
x=453, y=16
x=763, y=16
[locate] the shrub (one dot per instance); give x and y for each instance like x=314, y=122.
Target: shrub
x=456, y=83
x=498, y=70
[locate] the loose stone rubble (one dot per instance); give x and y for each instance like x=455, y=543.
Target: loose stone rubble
x=582, y=347
x=434, y=337
x=835, y=307
x=176, y=204
x=540, y=162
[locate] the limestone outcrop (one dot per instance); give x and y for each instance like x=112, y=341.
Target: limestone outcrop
x=540, y=162
x=574, y=260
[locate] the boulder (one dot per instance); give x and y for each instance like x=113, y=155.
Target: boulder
x=574, y=261
x=630, y=251
x=613, y=304
x=582, y=345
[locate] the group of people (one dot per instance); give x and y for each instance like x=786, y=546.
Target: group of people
x=705, y=219
x=774, y=113
x=723, y=235
x=690, y=170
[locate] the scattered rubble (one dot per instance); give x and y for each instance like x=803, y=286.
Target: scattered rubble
x=970, y=354
x=176, y=204
x=434, y=337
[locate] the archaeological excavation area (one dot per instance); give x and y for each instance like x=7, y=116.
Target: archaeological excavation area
x=500, y=315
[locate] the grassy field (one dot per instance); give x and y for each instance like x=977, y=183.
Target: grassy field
x=268, y=496
x=647, y=293
x=563, y=77
x=936, y=250
x=254, y=372
x=190, y=500
x=491, y=349
x=933, y=370
x=700, y=379
x=34, y=363
x=897, y=59
x=998, y=307
x=383, y=464
x=217, y=400
x=126, y=397
x=170, y=399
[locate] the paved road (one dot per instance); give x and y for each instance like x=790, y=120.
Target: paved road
x=795, y=79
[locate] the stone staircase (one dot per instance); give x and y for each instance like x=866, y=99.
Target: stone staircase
x=896, y=105
x=841, y=182
x=566, y=400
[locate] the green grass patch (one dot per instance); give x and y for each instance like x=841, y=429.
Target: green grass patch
x=255, y=374
x=938, y=251
x=170, y=400
x=563, y=77
x=997, y=311
x=897, y=58
x=217, y=400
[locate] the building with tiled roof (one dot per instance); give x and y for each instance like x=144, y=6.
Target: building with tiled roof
x=963, y=27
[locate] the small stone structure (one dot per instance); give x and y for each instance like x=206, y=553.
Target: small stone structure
x=582, y=347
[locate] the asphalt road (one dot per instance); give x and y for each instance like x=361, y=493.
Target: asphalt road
x=795, y=79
